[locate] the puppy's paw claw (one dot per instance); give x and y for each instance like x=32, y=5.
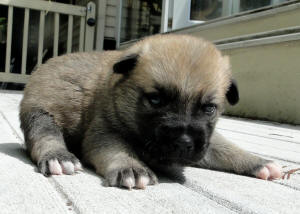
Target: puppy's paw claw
x=54, y=167
x=269, y=172
x=131, y=177
x=58, y=163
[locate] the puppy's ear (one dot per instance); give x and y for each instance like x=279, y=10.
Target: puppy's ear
x=232, y=94
x=126, y=64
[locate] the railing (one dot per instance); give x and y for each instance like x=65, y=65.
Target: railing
x=86, y=32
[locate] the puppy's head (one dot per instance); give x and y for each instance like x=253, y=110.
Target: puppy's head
x=168, y=93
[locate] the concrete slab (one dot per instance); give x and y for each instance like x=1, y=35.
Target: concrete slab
x=9, y=100
x=244, y=194
x=271, y=130
x=89, y=195
x=24, y=190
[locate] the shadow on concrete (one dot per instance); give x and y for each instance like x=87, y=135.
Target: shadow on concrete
x=168, y=174
x=15, y=150
x=165, y=175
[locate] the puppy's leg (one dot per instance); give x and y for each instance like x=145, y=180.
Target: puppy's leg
x=116, y=162
x=224, y=156
x=45, y=143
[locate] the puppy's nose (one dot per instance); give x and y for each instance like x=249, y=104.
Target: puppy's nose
x=186, y=141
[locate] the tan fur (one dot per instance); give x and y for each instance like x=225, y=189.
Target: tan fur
x=73, y=85
x=192, y=64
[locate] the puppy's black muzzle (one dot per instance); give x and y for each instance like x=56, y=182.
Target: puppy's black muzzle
x=179, y=142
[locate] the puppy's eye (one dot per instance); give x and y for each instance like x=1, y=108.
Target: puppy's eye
x=154, y=99
x=209, y=109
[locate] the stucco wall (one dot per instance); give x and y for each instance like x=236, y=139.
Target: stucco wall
x=269, y=81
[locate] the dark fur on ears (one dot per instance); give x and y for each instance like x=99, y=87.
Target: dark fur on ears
x=232, y=94
x=126, y=64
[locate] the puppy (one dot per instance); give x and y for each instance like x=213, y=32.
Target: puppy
x=126, y=112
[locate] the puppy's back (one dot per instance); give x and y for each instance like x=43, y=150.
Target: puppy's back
x=64, y=87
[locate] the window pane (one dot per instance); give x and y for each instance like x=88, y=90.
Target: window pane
x=140, y=18
x=253, y=4
x=206, y=10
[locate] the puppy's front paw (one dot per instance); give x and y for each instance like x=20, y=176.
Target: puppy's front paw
x=130, y=177
x=58, y=163
x=269, y=171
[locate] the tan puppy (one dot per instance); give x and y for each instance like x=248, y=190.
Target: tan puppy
x=124, y=112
